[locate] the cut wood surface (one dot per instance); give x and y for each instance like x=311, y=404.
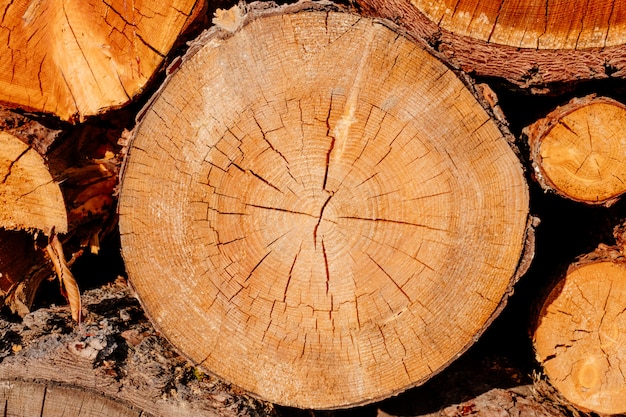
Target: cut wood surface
x=578, y=150
x=29, y=198
x=531, y=43
x=78, y=58
x=581, y=331
x=319, y=211
x=114, y=363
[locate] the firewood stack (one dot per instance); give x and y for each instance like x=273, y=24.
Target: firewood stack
x=317, y=203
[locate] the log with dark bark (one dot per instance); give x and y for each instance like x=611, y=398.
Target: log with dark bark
x=76, y=59
x=319, y=211
x=580, y=331
x=577, y=150
x=115, y=360
x=534, y=44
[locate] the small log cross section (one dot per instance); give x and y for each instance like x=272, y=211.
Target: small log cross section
x=581, y=333
x=577, y=150
x=317, y=210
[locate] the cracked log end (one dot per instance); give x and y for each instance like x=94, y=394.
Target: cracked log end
x=577, y=150
x=78, y=58
x=29, y=198
x=536, y=44
x=319, y=211
x=580, y=335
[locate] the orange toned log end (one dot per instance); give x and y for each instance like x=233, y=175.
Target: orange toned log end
x=78, y=58
x=578, y=150
x=581, y=334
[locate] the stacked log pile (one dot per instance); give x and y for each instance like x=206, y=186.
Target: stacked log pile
x=321, y=205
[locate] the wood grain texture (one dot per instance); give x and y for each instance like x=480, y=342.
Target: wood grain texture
x=542, y=46
x=78, y=58
x=26, y=399
x=29, y=198
x=577, y=150
x=319, y=211
x=579, y=336
x=537, y=24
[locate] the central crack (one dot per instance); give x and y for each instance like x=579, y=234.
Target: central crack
x=319, y=220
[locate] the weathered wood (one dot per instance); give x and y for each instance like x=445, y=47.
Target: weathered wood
x=579, y=334
x=76, y=59
x=577, y=150
x=23, y=399
x=334, y=219
x=534, y=44
x=115, y=353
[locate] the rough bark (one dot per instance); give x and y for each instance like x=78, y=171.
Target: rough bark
x=577, y=150
x=537, y=45
x=79, y=58
x=115, y=353
x=579, y=334
x=323, y=225
x=521, y=401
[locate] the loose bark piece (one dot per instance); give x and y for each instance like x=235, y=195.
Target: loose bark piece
x=580, y=334
x=577, y=150
x=77, y=58
x=117, y=355
x=29, y=198
x=319, y=211
x=531, y=43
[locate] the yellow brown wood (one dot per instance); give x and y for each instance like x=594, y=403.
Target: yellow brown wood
x=79, y=58
x=29, y=198
x=580, y=334
x=319, y=211
x=578, y=150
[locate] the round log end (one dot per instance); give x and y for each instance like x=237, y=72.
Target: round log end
x=319, y=211
x=580, y=336
x=577, y=150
